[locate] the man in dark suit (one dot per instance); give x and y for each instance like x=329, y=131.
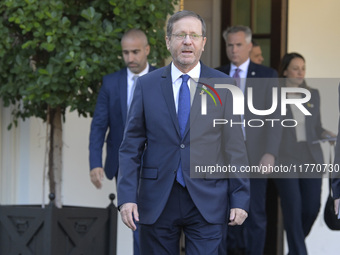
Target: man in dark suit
x=112, y=106
x=262, y=143
x=336, y=180
x=161, y=142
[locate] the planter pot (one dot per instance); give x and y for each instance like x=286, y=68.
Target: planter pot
x=32, y=230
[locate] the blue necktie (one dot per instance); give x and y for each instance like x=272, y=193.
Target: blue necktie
x=183, y=117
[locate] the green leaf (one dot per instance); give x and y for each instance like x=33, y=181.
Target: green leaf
x=76, y=42
x=39, y=15
x=140, y=3
x=48, y=14
x=30, y=1
x=152, y=41
x=88, y=13
x=65, y=21
x=45, y=96
x=116, y=11
x=43, y=71
x=50, y=69
x=18, y=60
x=83, y=64
x=75, y=30
x=26, y=45
x=54, y=14
x=48, y=46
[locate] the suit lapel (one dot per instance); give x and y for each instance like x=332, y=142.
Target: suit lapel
x=195, y=108
x=123, y=94
x=123, y=91
x=228, y=69
x=168, y=94
x=251, y=70
x=167, y=90
x=250, y=74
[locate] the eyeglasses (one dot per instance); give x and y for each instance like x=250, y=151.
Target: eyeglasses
x=182, y=36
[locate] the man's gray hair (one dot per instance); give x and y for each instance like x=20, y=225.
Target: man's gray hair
x=236, y=29
x=182, y=14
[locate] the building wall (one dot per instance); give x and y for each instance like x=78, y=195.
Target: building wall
x=313, y=31
x=22, y=151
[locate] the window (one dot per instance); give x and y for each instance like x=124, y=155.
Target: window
x=268, y=21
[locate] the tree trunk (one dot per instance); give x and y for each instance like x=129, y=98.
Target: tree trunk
x=55, y=154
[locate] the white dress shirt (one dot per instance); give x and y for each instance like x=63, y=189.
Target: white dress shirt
x=130, y=76
x=177, y=81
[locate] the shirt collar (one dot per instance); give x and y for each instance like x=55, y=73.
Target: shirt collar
x=243, y=67
x=193, y=73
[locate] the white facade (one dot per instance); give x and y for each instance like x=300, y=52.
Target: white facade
x=313, y=31
x=22, y=168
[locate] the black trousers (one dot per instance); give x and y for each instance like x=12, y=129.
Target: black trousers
x=180, y=214
x=300, y=201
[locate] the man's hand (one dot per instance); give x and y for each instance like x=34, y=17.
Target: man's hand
x=336, y=206
x=97, y=176
x=237, y=216
x=129, y=212
x=328, y=134
x=268, y=161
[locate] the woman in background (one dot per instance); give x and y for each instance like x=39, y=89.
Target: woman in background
x=300, y=196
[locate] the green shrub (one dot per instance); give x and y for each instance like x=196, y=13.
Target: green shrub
x=56, y=52
x=53, y=53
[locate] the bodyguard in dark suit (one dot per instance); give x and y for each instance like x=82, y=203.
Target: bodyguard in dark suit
x=160, y=143
x=262, y=143
x=300, y=192
x=112, y=106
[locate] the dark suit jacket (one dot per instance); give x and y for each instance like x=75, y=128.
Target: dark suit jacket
x=153, y=121
x=110, y=113
x=336, y=180
x=267, y=139
x=314, y=129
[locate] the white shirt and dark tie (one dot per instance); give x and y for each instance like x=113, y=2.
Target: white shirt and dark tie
x=240, y=71
x=183, y=97
x=243, y=71
x=131, y=83
x=177, y=81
